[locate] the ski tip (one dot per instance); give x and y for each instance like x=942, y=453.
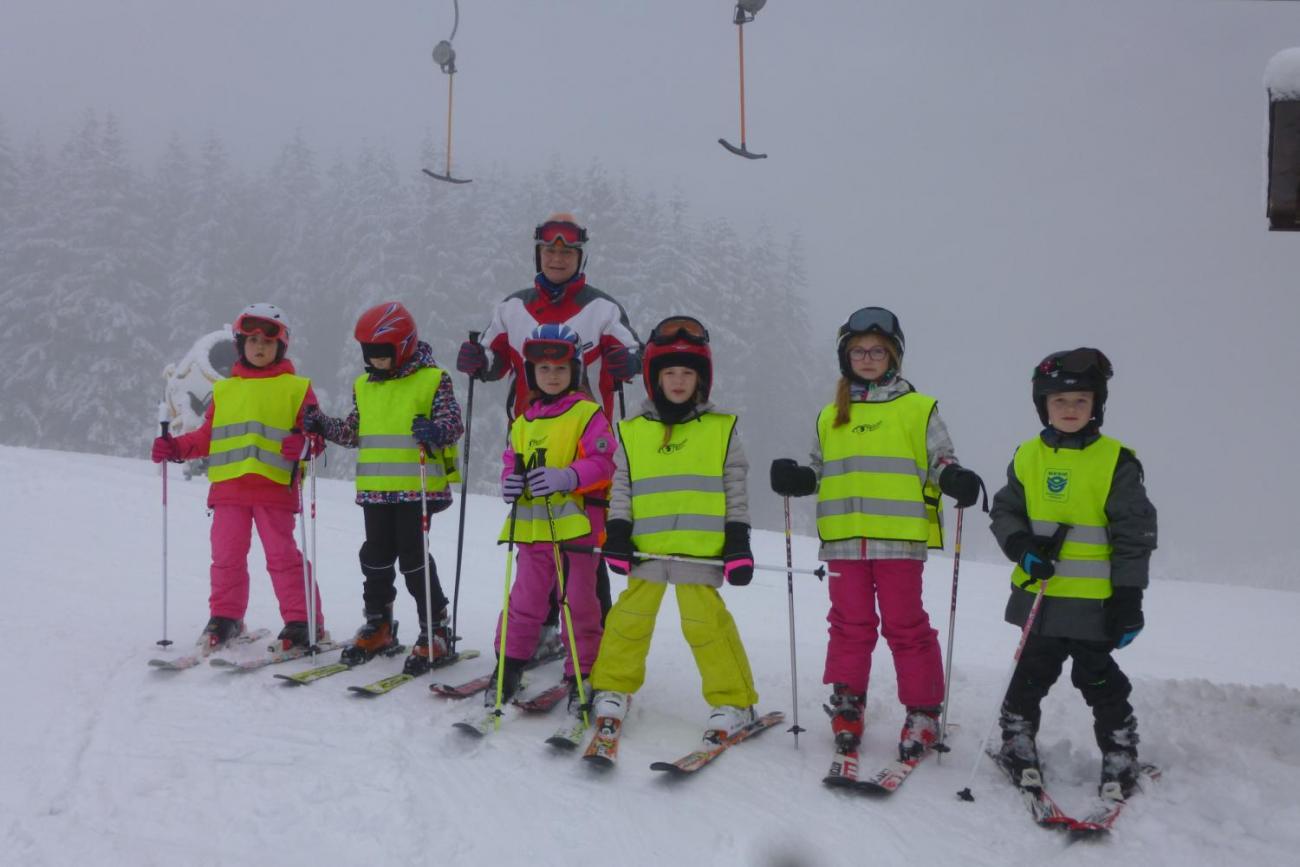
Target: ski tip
x=599, y=762
x=965, y=794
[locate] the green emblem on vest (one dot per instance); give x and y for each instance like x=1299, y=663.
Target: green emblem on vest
x=672, y=447
x=1058, y=483
x=536, y=442
x=867, y=428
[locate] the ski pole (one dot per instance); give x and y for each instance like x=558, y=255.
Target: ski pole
x=312, y=607
x=564, y=598
x=505, y=602
x=164, y=422
x=819, y=572
x=952, y=625
x=1058, y=539
x=789, y=585
x=424, y=529
x=297, y=475
x=464, y=490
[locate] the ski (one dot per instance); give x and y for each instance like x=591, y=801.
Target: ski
x=602, y=752
x=480, y=723
x=569, y=736
x=311, y=675
x=1101, y=819
x=274, y=657
x=181, y=663
x=1045, y=811
x=386, y=685
x=544, y=701
x=478, y=684
x=693, y=761
x=844, y=770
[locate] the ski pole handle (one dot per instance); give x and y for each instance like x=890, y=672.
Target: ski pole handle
x=164, y=419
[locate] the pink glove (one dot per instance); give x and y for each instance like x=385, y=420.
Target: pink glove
x=165, y=449
x=293, y=447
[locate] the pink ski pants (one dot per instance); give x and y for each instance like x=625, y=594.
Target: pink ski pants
x=232, y=537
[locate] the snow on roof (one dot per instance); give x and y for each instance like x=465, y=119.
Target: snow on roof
x=1282, y=75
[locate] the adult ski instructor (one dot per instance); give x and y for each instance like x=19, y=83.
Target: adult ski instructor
x=560, y=294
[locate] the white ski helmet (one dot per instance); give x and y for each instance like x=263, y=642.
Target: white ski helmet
x=253, y=317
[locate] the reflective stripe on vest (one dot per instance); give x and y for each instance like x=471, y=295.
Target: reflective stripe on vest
x=389, y=457
x=561, y=437
x=1070, y=486
x=250, y=418
x=874, y=471
x=679, y=503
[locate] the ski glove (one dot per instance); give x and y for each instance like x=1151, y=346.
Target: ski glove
x=961, y=484
x=620, y=363
x=428, y=431
x=738, y=560
x=293, y=447
x=617, y=550
x=512, y=487
x=791, y=480
x=472, y=359
x=1032, y=555
x=165, y=449
x=1124, y=615
x=313, y=420
x=544, y=481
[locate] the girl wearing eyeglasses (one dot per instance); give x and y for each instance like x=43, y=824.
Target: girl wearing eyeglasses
x=250, y=438
x=881, y=458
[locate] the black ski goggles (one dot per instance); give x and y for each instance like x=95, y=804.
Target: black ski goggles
x=1076, y=362
x=548, y=350
x=676, y=328
x=560, y=232
x=252, y=325
x=872, y=319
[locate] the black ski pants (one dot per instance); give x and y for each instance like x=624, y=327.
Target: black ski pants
x=1094, y=673
x=394, y=534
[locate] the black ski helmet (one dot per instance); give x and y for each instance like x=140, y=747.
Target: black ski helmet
x=1082, y=369
x=868, y=320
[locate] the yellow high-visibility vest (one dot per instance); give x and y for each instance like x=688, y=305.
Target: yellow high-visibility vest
x=250, y=418
x=389, y=457
x=560, y=436
x=679, y=504
x=874, y=471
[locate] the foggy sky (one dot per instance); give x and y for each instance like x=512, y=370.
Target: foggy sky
x=1011, y=178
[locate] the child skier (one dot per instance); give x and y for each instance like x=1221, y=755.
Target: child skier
x=1073, y=475
x=401, y=404
x=249, y=435
x=882, y=455
x=563, y=442
x=679, y=488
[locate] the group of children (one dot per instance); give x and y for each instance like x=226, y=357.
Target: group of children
x=668, y=488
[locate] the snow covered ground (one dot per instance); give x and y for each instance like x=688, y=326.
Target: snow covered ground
x=106, y=761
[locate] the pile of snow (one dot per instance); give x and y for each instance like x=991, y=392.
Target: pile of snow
x=107, y=761
x=1282, y=75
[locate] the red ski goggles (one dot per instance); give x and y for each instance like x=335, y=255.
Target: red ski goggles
x=253, y=325
x=1078, y=361
x=561, y=232
x=677, y=328
x=548, y=350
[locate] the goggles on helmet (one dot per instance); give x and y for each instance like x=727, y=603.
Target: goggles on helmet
x=1077, y=361
x=252, y=325
x=548, y=350
x=560, y=232
x=677, y=328
x=872, y=319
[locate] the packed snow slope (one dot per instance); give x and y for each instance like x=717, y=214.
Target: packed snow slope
x=107, y=761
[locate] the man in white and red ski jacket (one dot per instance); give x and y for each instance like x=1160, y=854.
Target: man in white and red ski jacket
x=559, y=295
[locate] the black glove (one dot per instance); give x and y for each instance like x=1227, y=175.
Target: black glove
x=313, y=420
x=1124, y=615
x=961, y=484
x=738, y=560
x=791, y=480
x=1033, y=555
x=621, y=364
x=617, y=549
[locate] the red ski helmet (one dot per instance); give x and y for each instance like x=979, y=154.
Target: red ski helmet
x=678, y=341
x=391, y=324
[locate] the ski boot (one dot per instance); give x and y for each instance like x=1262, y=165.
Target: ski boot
x=608, y=704
x=1018, y=756
x=1119, y=761
x=511, y=676
x=549, y=643
x=725, y=720
x=426, y=654
x=576, y=705
x=218, y=633
x=295, y=635
x=920, y=732
x=377, y=635
x=847, y=710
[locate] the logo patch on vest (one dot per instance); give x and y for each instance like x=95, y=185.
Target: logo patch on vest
x=670, y=448
x=867, y=427
x=1058, y=485
x=536, y=441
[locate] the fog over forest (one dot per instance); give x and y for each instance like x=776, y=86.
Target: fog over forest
x=1010, y=177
